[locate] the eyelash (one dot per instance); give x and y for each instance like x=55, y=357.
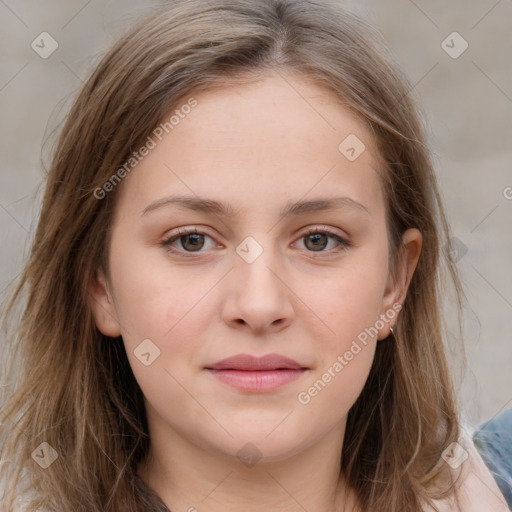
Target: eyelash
x=343, y=244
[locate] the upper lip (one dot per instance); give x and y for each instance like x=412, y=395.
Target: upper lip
x=252, y=363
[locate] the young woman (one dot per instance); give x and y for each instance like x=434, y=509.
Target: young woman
x=233, y=299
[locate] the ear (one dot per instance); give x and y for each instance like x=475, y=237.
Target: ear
x=103, y=307
x=396, y=290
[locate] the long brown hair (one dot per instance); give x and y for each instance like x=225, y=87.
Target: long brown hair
x=72, y=387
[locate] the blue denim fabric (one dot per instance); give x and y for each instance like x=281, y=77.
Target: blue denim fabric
x=493, y=440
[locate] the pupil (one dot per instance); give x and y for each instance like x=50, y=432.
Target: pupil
x=196, y=241
x=317, y=237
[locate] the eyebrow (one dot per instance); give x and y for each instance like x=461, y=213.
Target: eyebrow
x=290, y=209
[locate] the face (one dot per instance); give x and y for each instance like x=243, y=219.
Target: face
x=278, y=247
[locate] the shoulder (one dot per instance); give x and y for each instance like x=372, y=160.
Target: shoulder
x=475, y=488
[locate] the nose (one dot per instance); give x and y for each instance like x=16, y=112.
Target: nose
x=258, y=299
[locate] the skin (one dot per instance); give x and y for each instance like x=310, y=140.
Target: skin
x=255, y=147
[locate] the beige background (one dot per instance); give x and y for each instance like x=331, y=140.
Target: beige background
x=467, y=102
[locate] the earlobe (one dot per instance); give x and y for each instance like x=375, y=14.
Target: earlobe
x=102, y=305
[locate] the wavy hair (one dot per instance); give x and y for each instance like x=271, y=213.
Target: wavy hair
x=67, y=384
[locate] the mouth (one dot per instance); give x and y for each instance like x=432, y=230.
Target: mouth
x=257, y=374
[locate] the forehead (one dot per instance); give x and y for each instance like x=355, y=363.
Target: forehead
x=260, y=143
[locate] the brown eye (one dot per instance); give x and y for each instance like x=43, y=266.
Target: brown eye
x=187, y=241
x=192, y=241
x=317, y=240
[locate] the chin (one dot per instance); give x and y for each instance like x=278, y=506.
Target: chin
x=251, y=447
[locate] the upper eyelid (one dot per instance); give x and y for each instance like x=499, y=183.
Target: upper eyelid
x=181, y=231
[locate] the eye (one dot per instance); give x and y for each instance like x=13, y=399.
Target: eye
x=190, y=241
x=317, y=239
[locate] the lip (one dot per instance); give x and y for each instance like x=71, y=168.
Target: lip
x=257, y=374
x=246, y=362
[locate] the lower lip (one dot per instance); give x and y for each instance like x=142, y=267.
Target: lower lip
x=257, y=381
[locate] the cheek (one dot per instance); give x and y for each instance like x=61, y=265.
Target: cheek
x=162, y=315
x=162, y=333
x=332, y=392
x=349, y=305
x=152, y=296
x=349, y=302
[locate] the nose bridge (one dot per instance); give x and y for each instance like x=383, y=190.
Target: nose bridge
x=257, y=266
x=259, y=297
